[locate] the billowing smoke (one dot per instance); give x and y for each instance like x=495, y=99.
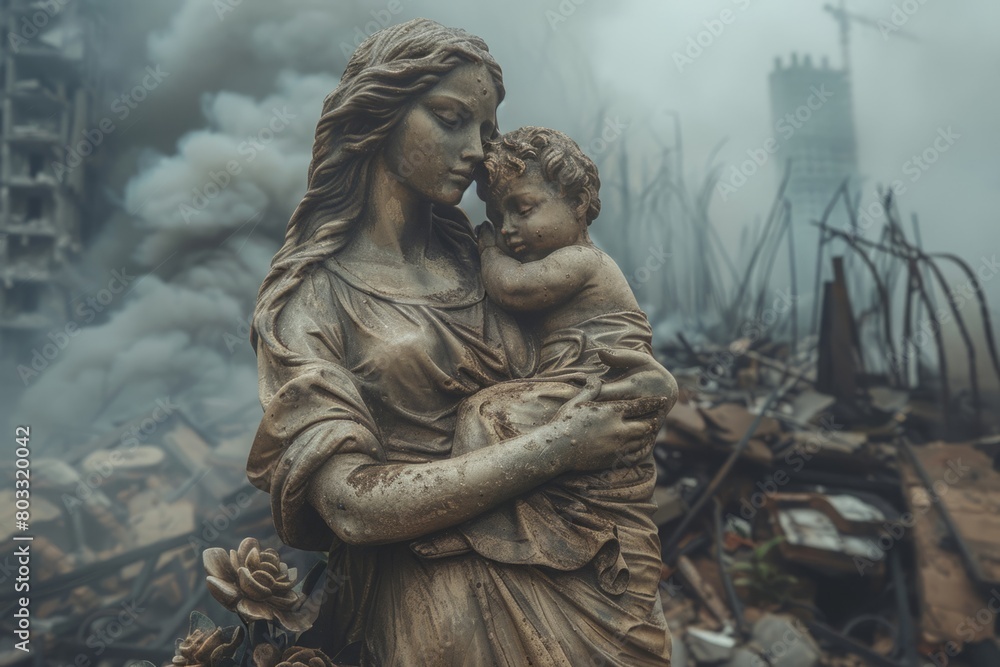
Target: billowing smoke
x=203, y=219
x=201, y=211
x=205, y=209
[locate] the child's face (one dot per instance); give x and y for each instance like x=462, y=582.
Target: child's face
x=533, y=217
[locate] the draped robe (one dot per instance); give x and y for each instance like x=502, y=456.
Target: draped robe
x=383, y=373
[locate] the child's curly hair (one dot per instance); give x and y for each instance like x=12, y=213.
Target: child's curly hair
x=558, y=157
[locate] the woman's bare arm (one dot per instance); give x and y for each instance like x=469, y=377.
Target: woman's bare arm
x=369, y=503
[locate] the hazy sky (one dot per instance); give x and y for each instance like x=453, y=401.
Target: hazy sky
x=234, y=65
x=563, y=59
x=904, y=91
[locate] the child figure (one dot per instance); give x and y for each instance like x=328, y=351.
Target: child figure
x=543, y=191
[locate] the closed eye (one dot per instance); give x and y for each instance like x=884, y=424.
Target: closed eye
x=449, y=119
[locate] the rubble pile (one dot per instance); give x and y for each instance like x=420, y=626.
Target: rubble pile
x=122, y=522
x=812, y=514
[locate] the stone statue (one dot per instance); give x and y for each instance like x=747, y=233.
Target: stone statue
x=468, y=437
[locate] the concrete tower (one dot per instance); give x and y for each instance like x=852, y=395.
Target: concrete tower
x=813, y=114
x=48, y=82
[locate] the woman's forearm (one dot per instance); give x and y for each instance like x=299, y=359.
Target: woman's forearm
x=369, y=503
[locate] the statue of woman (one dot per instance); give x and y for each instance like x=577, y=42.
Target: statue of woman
x=370, y=329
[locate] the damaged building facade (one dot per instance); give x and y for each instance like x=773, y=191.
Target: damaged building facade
x=812, y=109
x=51, y=86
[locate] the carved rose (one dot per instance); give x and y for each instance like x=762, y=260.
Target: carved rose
x=266, y=655
x=255, y=584
x=207, y=649
x=304, y=657
x=294, y=656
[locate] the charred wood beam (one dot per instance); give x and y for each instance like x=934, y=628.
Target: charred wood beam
x=793, y=274
x=771, y=217
x=841, y=192
x=918, y=255
x=984, y=311
x=880, y=286
x=918, y=281
x=742, y=629
x=907, y=631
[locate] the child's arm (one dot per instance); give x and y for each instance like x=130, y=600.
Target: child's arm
x=540, y=284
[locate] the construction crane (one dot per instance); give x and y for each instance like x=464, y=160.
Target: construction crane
x=844, y=18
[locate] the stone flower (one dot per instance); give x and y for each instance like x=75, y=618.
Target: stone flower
x=266, y=655
x=255, y=584
x=207, y=648
x=294, y=656
x=304, y=657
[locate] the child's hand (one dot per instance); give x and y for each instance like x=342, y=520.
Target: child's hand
x=487, y=235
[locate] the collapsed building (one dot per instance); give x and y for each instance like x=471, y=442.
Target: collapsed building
x=120, y=524
x=51, y=86
x=813, y=508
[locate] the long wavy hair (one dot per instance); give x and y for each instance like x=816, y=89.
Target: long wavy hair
x=386, y=73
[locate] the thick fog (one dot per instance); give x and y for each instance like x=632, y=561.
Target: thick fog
x=203, y=172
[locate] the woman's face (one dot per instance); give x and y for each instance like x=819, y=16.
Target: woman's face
x=439, y=141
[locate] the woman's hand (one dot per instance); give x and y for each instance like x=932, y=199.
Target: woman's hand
x=605, y=434
x=486, y=235
x=635, y=374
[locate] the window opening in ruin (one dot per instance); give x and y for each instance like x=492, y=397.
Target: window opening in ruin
x=34, y=208
x=24, y=298
x=36, y=163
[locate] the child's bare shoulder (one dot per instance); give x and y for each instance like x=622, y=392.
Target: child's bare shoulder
x=607, y=268
x=584, y=259
x=609, y=280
